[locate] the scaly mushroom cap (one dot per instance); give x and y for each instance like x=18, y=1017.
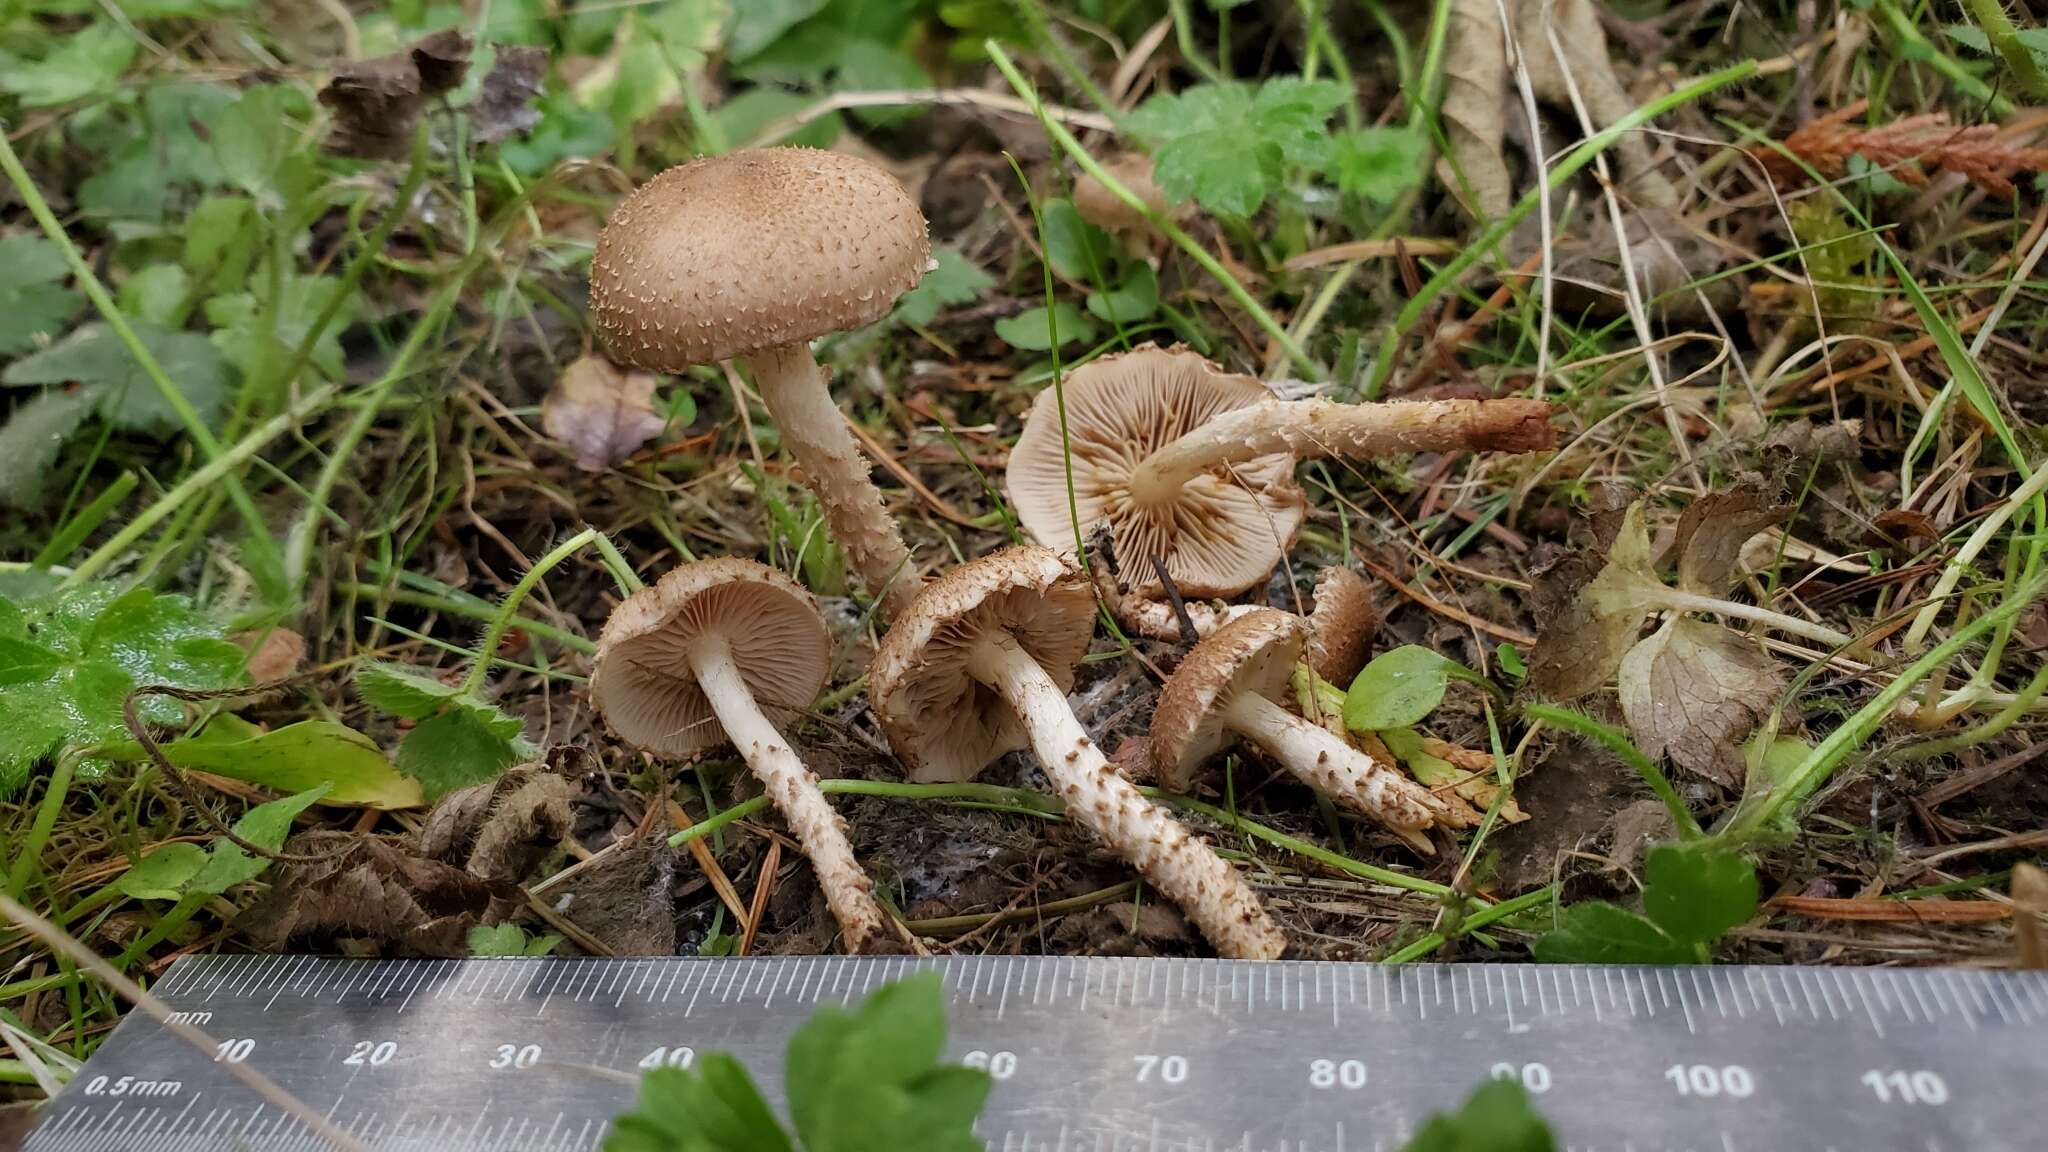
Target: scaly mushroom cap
x=642, y=683
x=1222, y=533
x=1105, y=209
x=1341, y=627
x=1256, y=653
x=944, y=724
x=728, y=255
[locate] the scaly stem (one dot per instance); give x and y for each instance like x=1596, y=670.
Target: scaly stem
x=1310, y=429
x=1162, y=849
x=793, y=387
x=794, y=789
x=1335, y=768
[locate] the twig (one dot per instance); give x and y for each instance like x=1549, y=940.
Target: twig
x=140, y=730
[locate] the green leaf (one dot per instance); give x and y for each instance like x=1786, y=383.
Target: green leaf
x=311, y=753
x=870, y=1081
x=748, y=114
x=253, y=137
x=1497, y=1117
x=1377, y=164
x=243, y=336
x=23, y=661
x=758, y=23
x=1032, y=329
x=955, y=281
x=1596, y=932
x=710, y=1107
x=153, y=159
x=34, y=304
x=155, y=293
x=871, y=65
x=220, y=241
x=567, y=129
x=1510, y=658
x=1134, y=300
x=1227, y=145
x=1076, y=249
x=164, y=873
x=508, y=940
x=402, y=691
x=89, y=62
x=1696, y=892
x=1398, y=689
x=266, y=826
x=95, y=357
x=468, y=744
x=31, y=441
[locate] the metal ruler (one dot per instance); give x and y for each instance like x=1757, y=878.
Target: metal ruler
x=1097, y=1054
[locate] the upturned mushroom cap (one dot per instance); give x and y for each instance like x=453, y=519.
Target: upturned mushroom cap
x=1222, y=533
x=944, y=724
x=1341, y=627
x=728, y=255
x=642, y=683
x=1105, y=209
x=1256, y=653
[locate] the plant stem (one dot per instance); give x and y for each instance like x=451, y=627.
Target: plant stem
x=1619, y=744
x=194, y=424
x=474, y=610
x=1168, y=228
x=2022, y=702
x=1682, y=601
x=480, y=671
x=1812, y=771
x=89, y=518
x=1424, y=945
x=29, y=861
x=1419, y=304
x=1967, y=554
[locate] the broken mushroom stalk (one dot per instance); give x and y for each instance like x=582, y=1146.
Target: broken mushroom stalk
x=1228, y=686
x=1195, y=466
x=721, y=651
x=980, y=666
x=751, y=255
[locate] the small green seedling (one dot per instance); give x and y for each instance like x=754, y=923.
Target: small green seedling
x=458, y=738
x=1692, y=894
x=509, y=940
x=1228, y=146
x=1497, y=1117
x=866, y=1080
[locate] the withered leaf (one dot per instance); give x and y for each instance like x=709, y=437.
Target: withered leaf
x=504, y=104
x=626, y=899
x=498, y=831
x=1590, y=626
x=376, y=103
x=1712, y=531
x=274, y=653
x=1692, y=691
x=363, y=886
x=603, y=412
x=1897, y=530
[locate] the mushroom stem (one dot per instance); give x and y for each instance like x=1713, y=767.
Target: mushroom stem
x=794, y=791
x=793, y=387
x=1307, y=429
x=1163, y=851
x=1334, y=768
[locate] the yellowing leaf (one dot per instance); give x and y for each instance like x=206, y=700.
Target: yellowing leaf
x=1692, y=691
x=299, y=757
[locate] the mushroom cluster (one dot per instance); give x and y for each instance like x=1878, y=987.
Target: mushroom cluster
x=1188, y=470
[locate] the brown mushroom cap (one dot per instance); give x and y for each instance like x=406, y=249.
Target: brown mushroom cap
x=1221, y=535
x=642, y=682
x=1342, y=625
x=1105, y=209
x=944, y=724
x=1256, y=653
x=762, y=248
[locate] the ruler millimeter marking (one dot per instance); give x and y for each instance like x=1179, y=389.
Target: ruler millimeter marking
x=1094, y=1054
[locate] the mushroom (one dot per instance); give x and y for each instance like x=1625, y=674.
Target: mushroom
x=980, y=665
x=1227, y=686
x=752, y=255
x=1341, y=625
x=723, y=651
x=1195, y=466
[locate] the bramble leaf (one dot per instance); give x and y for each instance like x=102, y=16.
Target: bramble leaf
x=96, y=360
x=402, y=691
x=1596, y=932
x=1227, y=145
x=1697, y=893
x=1497, y=1117
x=34, y=304
x=1378, y=164
x=955, y=281
x=470, y=743
x=1033, y=329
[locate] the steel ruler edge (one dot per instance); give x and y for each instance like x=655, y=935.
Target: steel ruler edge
x=1094, y=1054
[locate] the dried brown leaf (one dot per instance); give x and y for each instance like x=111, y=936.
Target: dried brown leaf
x=1712, y=531
x=1907, y=148
x=274, y=653
x=2030, y=915
x=1475, y=86
x=497, y=832
x=625, y=899
x=504, y=104
x=365, y=887
x=376, y=103
x=1693, y=691
x=603, y=412
x=1589, y=623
